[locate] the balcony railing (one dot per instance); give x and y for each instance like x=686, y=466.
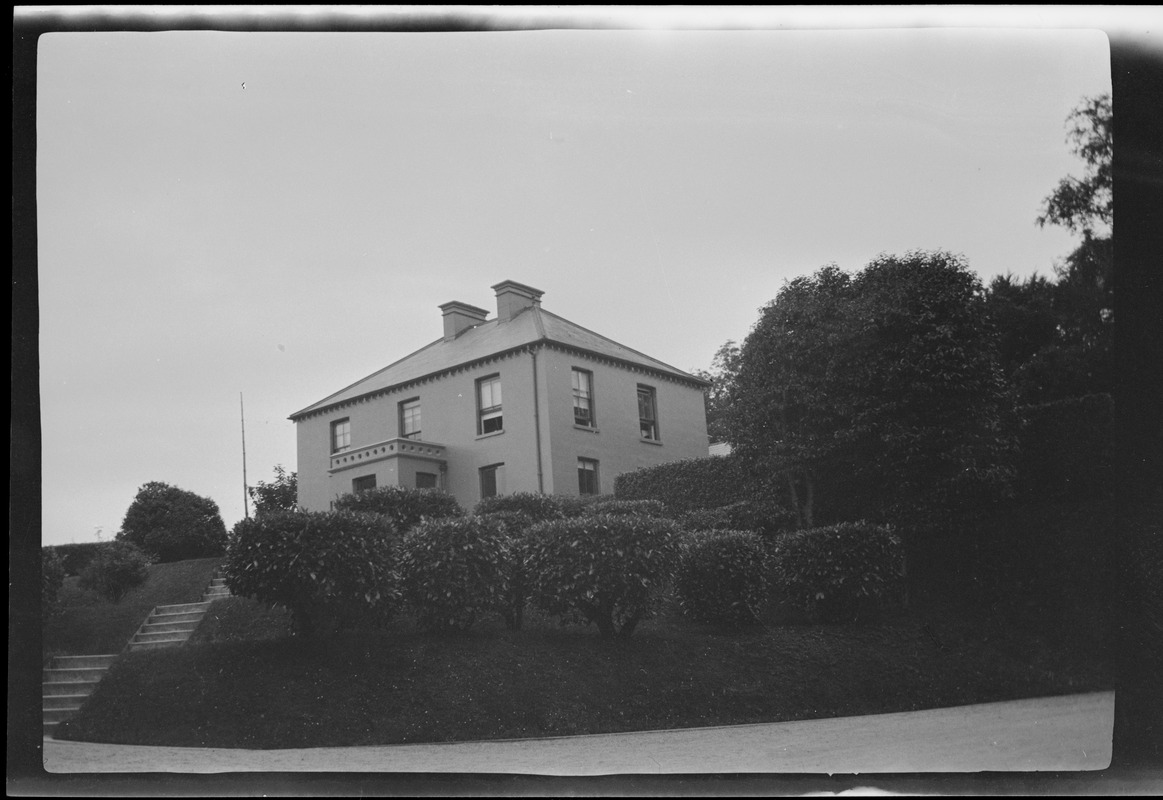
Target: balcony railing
x=390, y=448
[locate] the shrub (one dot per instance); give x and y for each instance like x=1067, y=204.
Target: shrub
x=610, y=570
x=281, y=494
x=690, y=484
x=117, y=568
x=455, y=570
x=331, y=569
x=515, y=526
x=839, y=573
x=172, y=524
x=405, y=507
x=52, y=577
x=573, y=505
x=75, y=557
x=538, y=507
x=617, y=508
x=766, y=517
x=722, y=577
x=1066, y=447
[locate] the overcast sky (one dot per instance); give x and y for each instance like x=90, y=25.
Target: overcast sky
x=280, y=214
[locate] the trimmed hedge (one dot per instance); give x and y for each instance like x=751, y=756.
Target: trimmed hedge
x=404, y=506
x=331, y=569
x=607, y=570
x=617, y=508
x=117, y=568
x=455, y=571
x=766, y=517
x=515, y=526
x=722, y=577
x=690, y=484
x=1067, y=448
x=52, y=578
x=538, y=507
x=75, y=557
x=840, y=573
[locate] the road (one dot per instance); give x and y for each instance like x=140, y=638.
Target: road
x=1065, y=733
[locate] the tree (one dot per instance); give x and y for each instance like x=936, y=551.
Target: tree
x=1085, y=205
x=282, y=494
x=117, y=568
x=724, y=367
x=173, y=524
x=880, y=392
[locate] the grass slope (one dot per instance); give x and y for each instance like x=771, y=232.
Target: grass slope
x=87, y=624
x=408, y=686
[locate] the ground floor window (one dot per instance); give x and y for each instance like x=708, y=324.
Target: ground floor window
x=425, y=480
x=587, y=476
x=492, y=479
x=363, y=484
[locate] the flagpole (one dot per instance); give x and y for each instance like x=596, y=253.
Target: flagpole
x=245, y=493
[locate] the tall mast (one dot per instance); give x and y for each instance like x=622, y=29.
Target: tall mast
x=245, y=493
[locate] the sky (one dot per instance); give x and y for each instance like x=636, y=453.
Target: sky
x=273, y=216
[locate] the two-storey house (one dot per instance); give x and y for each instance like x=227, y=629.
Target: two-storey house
x=526, y=401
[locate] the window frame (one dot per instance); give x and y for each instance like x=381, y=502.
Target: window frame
x=335, y=431
x=496, y=471
x=435, y=480
x=356, y=488
x=486, y=414
x=591, y=466
x=586, y=394
x=651, y=393
x=404, y=407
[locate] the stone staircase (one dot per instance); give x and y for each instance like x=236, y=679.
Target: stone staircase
x=67, y=684
x=69, y=681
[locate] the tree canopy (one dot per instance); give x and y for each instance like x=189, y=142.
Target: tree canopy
x=172, y=524
x=1086, y=205
x=880, y=391
x=281, y=494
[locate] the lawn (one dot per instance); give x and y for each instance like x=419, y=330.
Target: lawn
x=246, y=684
x=87, y=624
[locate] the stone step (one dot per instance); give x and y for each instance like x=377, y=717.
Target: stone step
x=81, y=662
x=188, y=616
x=218, y=582
x=162, y=636
x=137, y=646
x=55, y=715
x=181, y=608
x=58, y=701
x=69, y=688
x=164, y=627
x=73, y=675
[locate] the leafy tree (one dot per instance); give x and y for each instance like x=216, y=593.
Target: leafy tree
x=724, y=367
x=282, y=494
x=880, y=391
x=1085, y=205
x=117, y=568
x=173, y=524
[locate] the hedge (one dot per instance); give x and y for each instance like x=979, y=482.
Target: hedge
x=404, y=506
x=538, y=507
x=1067, y=448
x=515, y=526
x=117, y=568
x=767, y=517
x=75, y=557
x=840, y=573
x=722, y=577
x=694, y=483
x=606, y=570
x=649, y=508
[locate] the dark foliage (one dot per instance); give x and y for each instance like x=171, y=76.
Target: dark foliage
x=1066, y=448
x=764, y=516
x=75, y=557
x=689, y=485
x=117, y=568
x=722, y=577
x=538, y=507
x=281, y=494
x=403, y=506
x=52, y=577
x=172, y=524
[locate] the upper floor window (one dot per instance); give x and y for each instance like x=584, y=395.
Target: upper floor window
x=647, y=413
x=583, y=398
x=489, y=418
x=340, y=435
x=587, y=476
x=410, y=419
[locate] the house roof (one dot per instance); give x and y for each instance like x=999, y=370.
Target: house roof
x=530, y=326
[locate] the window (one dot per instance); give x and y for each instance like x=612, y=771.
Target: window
x=492, y=480
x=587, y=476
x=425, y=480
x=489, y=405
x=647, y=413
x=583, y=398
x=363, y=484
x=340, y=435
x=410, y=419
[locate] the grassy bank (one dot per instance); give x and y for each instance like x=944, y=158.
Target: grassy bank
x=403, y=685
x=87, y=624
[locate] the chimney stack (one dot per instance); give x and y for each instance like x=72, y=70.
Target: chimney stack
x=513, y=298
x=459, y=317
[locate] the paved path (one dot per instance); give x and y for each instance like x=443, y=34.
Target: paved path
x=1056, y=733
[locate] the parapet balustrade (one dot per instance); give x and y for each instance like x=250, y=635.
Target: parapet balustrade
x=389, y=448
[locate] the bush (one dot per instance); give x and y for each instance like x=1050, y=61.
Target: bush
x=767, y=517
x=610, y=570
x=573, y=505
x=405, y=507
x=538, y=507
x=722, y=577
x=455, y=570
x=52, y=578
x=172, y=524
x=331, y=569
x=75, y=557
x=1067, y=447
x=117, y=568
x=840, y=573
x=515, y=526
x=691, y=484
x=617, y=508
